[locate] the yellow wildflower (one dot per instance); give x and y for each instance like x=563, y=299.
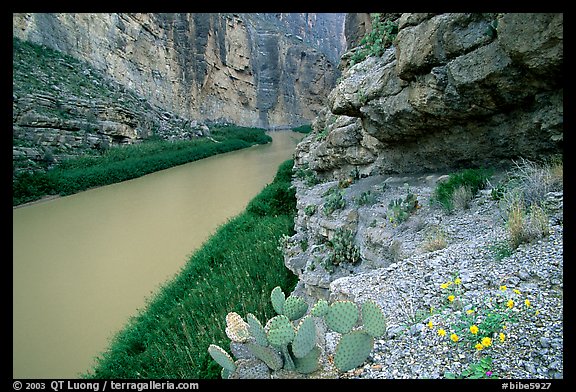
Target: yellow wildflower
x=444, y=286
x=510, y=304
x=457, y=281
x=474, y=329
x=527, y=303
x=503, y=288
x=516, y=291
x=441, y=332
x=451, y=298
x=479, y=346
x=486, y=342
x=430, y=324
x=454, y=337
x=469, y=311
x=502, y=337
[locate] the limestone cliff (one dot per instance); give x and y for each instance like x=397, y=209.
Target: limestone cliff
x=455, y=90
x=266, y=70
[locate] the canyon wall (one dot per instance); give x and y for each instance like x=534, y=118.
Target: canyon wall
x=266, y=70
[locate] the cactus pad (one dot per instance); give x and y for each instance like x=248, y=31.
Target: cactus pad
x=236, y=328
x=342, y=316
x=256, y=330
x=240, y=350
x=222, y=357
x=267, y=355
x=352, y=350
x=320, y=309
x=295, y=307
x=277, y=297
x=309, y=363
x=373, y=319
x=305, y=337
x=250, y=369
x=280, y=330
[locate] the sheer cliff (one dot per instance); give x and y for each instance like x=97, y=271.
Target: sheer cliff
x=266, y=70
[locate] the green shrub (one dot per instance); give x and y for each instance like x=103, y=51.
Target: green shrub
x=473, y=179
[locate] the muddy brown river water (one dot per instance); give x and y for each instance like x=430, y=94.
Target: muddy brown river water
x=83, y=264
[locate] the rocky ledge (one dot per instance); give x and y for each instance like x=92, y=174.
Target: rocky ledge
x=413, y=282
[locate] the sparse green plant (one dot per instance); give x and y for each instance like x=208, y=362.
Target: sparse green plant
x=334, y=200
x=322, y=134
x=501, y=249
x=435, y=239
x=525, y=225
x=366, y=198
x=399, y=210
x=289, y=340
x=377, y=40
x=306, y=174
x=310, y=209
x=344, y=249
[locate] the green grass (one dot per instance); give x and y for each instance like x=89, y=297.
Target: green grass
x=234, y=271
x=474, y=179
x=126, y=162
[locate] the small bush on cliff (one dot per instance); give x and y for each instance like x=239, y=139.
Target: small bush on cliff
x=377, y=40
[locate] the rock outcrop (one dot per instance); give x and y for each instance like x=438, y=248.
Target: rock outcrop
x=455, y=90
x=265, y=70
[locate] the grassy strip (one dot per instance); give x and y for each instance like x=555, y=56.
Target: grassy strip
x=306, y=128
x=126, y=162
x=235, y=270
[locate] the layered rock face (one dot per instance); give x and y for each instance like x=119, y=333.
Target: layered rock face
x=261, y=70
x=455, y=90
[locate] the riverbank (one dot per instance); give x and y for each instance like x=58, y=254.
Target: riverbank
x=127, y=162
x=234, y=270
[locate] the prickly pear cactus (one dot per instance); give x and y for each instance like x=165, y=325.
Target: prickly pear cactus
x=236, y=328
x=221, y=357
x=295, y=307
x=352, y=350
x=277, y=297
x=320, y=309
x=280, y=331
x=288, y=349
x=373, y=319
x=305, y=338
x=250, y=369
x=342, y=316
x=256, y=330
x=308, y=363
x=267, y=354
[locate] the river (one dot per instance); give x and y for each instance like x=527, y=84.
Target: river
x=83, y=264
